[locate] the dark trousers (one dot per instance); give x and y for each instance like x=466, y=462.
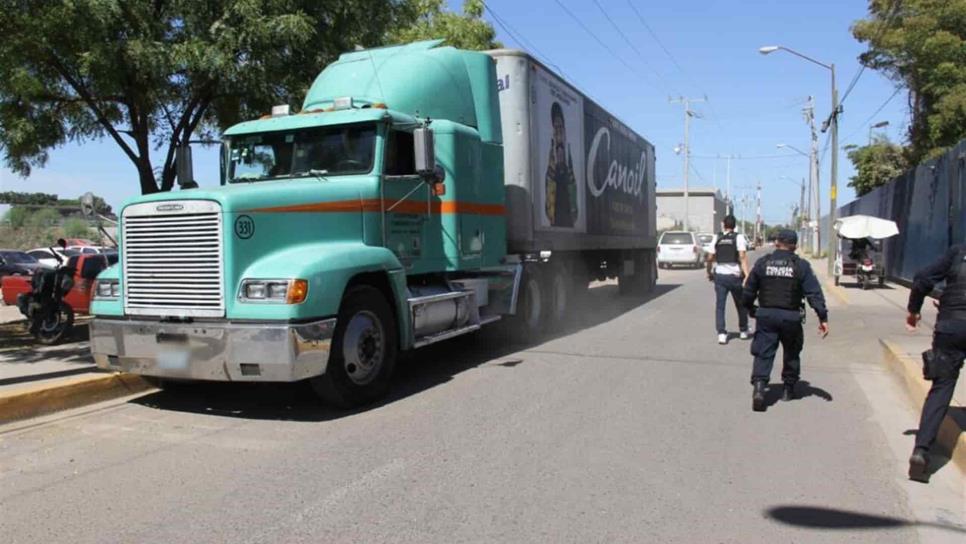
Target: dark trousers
x=723, y=285
x=951, y=349
x=769, y=332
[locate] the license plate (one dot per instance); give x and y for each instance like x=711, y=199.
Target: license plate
x=173, y=359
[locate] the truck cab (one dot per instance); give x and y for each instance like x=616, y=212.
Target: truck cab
x=372, y=221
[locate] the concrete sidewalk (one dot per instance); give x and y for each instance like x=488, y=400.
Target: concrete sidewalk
x=37, y=379
x=883, y=309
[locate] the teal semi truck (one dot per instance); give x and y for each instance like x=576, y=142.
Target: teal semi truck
x=422, y=192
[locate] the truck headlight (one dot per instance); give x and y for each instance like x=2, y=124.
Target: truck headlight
x=291, y=291
x=107, y=289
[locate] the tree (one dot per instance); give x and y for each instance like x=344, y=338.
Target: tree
x=876, y=165
x=150, y=75
x=921, y=45
x=17, y=217
x=429, y=20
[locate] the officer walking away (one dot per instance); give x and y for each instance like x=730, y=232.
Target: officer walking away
x=779, y=281
x=727, y=266
x=941, y=364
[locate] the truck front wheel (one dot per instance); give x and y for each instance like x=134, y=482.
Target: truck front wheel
x=364, y=350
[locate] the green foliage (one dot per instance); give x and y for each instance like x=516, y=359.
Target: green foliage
x=42, y=219
x=17, y=217
x=44, y=199
x=150, y=75
x=76, y=227
x=921, y=45
x=28, y=199
x=875, y=165
x=429, y=20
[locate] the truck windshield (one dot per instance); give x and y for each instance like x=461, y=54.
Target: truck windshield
x=327, y=151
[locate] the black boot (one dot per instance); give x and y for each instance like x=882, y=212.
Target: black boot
x=788, y=392
x=758, y=397
x=919, y=465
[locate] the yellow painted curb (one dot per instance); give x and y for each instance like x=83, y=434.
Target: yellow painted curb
x=36, y=400
x=836, y=292
x=952, y=435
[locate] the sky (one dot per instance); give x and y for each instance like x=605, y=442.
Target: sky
x=699, y=49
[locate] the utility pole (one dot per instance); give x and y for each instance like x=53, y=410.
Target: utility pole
x=758, y=227
x=815, y=206
x=802, y=225
x=833, y=190
x=688, y=113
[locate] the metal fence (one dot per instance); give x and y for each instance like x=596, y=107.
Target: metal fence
x=928, y=203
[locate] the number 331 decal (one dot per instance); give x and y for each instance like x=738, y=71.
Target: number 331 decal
x=244, y=227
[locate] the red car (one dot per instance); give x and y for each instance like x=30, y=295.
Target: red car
x=87, y=267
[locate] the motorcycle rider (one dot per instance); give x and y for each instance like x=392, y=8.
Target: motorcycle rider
x=779, y=280
x=944, y=361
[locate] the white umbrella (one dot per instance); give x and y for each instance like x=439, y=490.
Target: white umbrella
x=865, y=226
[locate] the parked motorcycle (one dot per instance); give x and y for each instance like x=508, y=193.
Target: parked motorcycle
x=50, y=318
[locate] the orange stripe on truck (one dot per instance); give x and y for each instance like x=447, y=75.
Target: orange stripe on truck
x=375, y=205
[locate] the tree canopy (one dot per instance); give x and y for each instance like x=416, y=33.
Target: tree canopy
x=876, y=165
x=150, y=75
x=921, y=45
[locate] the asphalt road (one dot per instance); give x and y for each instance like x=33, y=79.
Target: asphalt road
x=632, y=426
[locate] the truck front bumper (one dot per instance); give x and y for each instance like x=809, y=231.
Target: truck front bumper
x=220, y=351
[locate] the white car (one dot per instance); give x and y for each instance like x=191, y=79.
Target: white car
x=679, y=247
x=46, y=255
x=705, y=239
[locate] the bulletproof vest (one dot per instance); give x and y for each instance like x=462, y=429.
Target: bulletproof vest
x=726, y=248
x=781, y=283
x=952, y=303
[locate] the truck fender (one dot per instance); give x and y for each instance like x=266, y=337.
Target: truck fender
x=330, y=268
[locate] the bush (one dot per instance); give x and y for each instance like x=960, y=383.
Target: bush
x=76, y=227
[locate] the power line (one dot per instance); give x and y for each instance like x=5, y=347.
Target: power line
x=598, y=40
x=640, y=17
x=521, y=41
x=748, y=157
x=874, y=114
x=633, y=47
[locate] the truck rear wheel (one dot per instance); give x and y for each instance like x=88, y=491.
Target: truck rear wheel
x=561, y=294
x=364, y=350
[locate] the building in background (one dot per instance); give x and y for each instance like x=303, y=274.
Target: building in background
x=706, y=209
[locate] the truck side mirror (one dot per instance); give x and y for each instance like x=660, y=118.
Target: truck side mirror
x=184, y=169
x=62, y=243
x=87, y=205
x=425, y=151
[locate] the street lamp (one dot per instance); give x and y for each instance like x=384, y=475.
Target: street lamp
x=832, y=123
x=880, y=124
x=793, y=148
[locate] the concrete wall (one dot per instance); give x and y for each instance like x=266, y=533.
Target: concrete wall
x=706, y=208
x=928, y=203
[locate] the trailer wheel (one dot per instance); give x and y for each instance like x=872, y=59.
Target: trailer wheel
x=638, y=283
x=364, y=350
x=560, y=298
x=532, y=310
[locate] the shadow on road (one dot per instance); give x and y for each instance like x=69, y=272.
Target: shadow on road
x=415, y=372
x=817, y=517
x=803, y=390
x=858, y=286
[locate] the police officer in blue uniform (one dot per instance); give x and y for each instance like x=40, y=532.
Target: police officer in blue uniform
x=944, y=361
x=779, y=281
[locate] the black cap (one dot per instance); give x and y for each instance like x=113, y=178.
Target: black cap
x=787, y=236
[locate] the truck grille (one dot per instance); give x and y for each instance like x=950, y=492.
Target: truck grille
x=172, y=259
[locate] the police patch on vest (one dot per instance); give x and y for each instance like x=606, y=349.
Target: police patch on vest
x=780, y=271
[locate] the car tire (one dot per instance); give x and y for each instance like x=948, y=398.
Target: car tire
x=363, y=354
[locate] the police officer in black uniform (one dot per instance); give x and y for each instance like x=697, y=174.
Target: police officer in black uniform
x=942, y=363
x=779, y=281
